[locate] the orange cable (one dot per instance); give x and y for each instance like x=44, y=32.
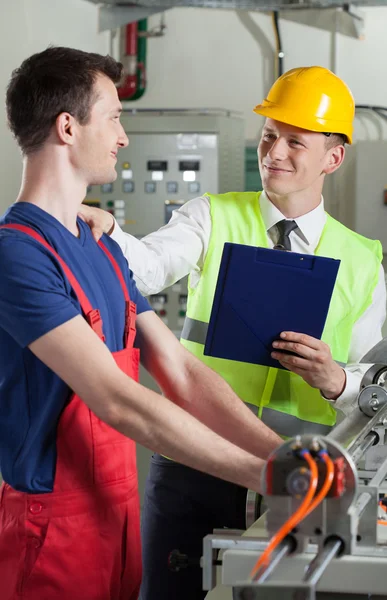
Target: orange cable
x=294, y=519
x=327, y=483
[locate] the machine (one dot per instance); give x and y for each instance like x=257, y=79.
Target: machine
x=326, y=519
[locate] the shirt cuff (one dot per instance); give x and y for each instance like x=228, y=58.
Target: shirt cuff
x=117, y=234
x=346, y=401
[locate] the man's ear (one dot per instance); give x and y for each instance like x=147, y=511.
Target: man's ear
x=335, y=158
x=64, y=125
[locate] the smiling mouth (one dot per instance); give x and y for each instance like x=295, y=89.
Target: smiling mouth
x=276, y=169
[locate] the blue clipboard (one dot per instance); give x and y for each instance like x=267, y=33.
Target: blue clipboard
x=261, y=292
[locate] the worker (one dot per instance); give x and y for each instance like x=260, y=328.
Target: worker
x=309, y=119
x=71, y=406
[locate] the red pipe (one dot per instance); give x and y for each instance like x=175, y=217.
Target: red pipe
x=129, y=86
x=131, y=39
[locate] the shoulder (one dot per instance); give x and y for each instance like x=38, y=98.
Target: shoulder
x=239, y=201
x=234, y=196
x=358, y=242
x=15, y=244
x=26, y=265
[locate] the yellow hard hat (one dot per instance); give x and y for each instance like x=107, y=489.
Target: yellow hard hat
x=311, y=98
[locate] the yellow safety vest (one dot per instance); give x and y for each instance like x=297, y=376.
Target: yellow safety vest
x=282, y=399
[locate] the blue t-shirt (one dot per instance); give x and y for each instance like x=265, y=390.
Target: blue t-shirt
x=36, y=297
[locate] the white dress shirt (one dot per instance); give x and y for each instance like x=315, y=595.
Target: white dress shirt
x=161, y=258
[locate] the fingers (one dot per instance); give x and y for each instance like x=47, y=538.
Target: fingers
x=309, y=350
x=95, y=226
x=295, y=347
x=302, y=338
x=303, y=345
x=290, y=362
x=96, y=230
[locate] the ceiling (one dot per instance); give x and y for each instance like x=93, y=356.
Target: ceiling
x=344, y=17
x=238, y=4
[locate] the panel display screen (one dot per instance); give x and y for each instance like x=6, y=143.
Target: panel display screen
x=189, y=165
x=157, y=165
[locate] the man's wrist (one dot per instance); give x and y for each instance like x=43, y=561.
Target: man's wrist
x=338, y=387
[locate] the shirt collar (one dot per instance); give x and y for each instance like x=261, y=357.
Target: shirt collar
x=309, y=226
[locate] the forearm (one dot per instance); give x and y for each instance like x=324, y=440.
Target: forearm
x=75, y=353
x=206, y=396
x=164, y=427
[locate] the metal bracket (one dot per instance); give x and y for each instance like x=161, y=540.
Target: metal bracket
x=213, y=543
x=253, y=507
x=371, y=399
x=347, y=20
x=111, y=17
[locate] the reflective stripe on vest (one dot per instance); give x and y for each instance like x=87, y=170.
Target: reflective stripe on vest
x=196, y=331
x=288, y=425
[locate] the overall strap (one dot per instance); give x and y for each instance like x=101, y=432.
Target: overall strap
x=130, y=307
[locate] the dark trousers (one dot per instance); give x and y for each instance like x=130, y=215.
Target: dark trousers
x=181, y=507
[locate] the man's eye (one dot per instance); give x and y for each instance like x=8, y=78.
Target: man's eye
x=295, y=142
x=268, y=136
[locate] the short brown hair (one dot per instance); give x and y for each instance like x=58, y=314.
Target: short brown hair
x=335, y=139
x=51, y=82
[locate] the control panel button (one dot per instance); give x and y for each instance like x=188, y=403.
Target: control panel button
x=150, y=187
x=194, y=187
x=172, y=187
x=106, y=188
x=128, y=187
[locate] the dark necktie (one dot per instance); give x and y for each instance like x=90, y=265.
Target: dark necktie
x=284, y=227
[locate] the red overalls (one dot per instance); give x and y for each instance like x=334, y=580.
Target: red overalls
x=82, y=541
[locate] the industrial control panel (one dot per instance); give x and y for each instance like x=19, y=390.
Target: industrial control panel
x=156, y=174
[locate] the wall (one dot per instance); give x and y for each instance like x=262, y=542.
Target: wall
x=223, y=58
x=28, y=26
